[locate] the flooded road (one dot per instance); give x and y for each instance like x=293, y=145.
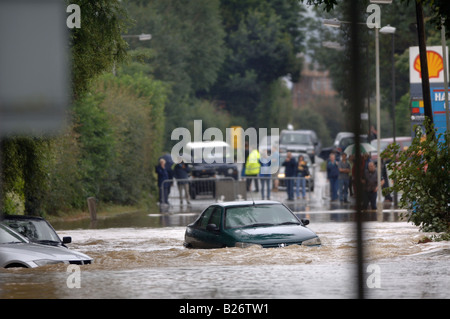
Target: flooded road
x=150, y=262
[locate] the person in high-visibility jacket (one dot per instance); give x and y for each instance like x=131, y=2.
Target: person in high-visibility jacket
x=252, y=167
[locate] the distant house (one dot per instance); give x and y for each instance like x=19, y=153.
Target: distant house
x=313, y=84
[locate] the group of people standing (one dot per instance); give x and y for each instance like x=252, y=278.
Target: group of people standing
x=166, y=170
x=259, y=167
x=340, y=176
x=295, y=171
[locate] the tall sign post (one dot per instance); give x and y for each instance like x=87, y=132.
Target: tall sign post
x=436, y=73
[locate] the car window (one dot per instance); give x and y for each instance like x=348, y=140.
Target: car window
x=211, y=215
x=35, y=230
x=216, y=216
x=204, y=218
x=295, y=139
x=242, y=216
x=8, y=237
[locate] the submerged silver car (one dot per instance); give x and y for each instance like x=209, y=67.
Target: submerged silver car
x=17, y=251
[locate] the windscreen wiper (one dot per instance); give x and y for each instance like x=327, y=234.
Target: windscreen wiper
x=47, y=241
x=259, y=224
x=289, y=223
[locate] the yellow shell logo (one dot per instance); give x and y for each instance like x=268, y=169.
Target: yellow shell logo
x=435, y=64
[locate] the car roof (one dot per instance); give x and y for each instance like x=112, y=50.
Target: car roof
x=21, y=217
x=398, y=138
x=245, y=203
x=298, y=131
x=205, y=144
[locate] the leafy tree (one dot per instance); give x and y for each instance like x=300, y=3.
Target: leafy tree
x=263, y=38
x=98, y=44
x=135, y=109
x=96, y=142
x=309, y=119
x=66, y=189
x=95, y=47
x=24, y=171
x=275, y=109
x=186, y=51
x=421, y=173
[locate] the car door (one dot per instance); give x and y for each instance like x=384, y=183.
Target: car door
x=209, y=237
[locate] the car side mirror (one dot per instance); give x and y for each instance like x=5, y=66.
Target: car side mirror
x=67, y=240
x=305, y=222
x=212, y=227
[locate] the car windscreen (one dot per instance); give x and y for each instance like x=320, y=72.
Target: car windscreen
x=7, y=237
x=295, y=139
x=211, y=155
x=258, y=215
x=34, y=229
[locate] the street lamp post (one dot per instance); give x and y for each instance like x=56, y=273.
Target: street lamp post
x=335, y=23
x=377, y=61
x=377, y=66
x=391, y=30
x=141, y=37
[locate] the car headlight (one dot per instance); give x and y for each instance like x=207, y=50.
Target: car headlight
x=281, y=175
x=312, y=242
x=43, y=262
x=246, y=245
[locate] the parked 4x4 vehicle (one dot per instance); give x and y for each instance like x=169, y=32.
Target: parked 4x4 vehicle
x=300, y=141
x=209, y=160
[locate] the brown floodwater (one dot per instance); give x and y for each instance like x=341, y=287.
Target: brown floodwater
x=146, y=259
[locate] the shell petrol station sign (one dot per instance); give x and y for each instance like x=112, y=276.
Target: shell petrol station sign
x=435, y=63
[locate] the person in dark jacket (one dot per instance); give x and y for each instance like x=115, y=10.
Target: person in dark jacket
x=181, y=173
x=163, y=175
x=332, y=176
x=290, y=171
x=370, y=184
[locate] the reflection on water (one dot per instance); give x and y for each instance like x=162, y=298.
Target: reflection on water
x=134, y=219
x=150, y=262
x=183, y=218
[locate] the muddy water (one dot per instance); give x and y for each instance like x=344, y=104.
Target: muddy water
x=151, y=262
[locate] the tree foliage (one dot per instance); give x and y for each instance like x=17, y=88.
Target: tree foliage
x=186, y=51
x=27, y=161
x=98, y=44
x=421, y=174
x=24, y=173
x=263, y=40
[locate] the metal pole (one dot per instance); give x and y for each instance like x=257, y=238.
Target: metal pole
x=356, y=98
x=444, y=55
x=423, y=62
x=377, y=66
x=393, y=106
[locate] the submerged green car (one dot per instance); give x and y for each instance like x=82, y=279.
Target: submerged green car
x=242, y=224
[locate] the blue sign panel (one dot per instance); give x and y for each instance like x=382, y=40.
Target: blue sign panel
x=439, y=112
